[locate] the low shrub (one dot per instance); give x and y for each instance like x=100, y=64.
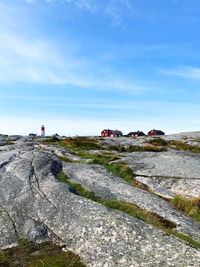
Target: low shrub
x=119, y=169
x=30, y=254
x=76, y=143
x=188, y=206
x=145, y=148
x=191, y=242
x=76, y=187
x=65, y=159
x=178, y=145
x=157, y=141
x=136, y=211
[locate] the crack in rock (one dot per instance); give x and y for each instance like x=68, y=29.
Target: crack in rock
x=12, y=221
x=36, y=180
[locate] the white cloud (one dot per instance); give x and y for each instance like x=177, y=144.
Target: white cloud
x=187, y=72
x=25, y=57
x=36, y=61
x=90, y=5
x=115, y=10
x=39, y=61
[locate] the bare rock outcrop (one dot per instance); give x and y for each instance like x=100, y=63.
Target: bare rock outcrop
x=35, y=205
x=167, y=173
x=108, y=186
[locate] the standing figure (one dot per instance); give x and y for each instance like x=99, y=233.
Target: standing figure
x=43, y=131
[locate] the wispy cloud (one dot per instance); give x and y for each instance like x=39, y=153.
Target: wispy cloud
x=116, y=10
x=35, y=61
x=89, y=5
x=38, y=60
x=187, y=72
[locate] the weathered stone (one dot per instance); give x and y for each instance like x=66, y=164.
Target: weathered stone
x=167, y=173
x=108, y=186
x=35, y=205
x=59, y=151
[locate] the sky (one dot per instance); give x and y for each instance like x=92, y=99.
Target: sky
x=81, y=66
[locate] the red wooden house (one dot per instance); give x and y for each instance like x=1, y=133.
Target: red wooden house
x=155, y=132
x=135, y=134
x=111, y=133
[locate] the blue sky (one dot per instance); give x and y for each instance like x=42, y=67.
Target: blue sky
x=79, y=66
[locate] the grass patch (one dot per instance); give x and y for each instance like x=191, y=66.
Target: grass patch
x=157, y=141
x=145, y=148
x=76, y=143
x=118, y=169
x=132, y=210
x=65, y=159
x=4, y=258
x=79, y=144
x=76, y=188
x=121, y=170
x=191, y=242
x=188, y=206
x=128, y=208
x=30, y=254
x=137, y=212
x=178, y=145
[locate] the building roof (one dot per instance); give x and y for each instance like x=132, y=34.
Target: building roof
x=159, y=132
x=139, y=133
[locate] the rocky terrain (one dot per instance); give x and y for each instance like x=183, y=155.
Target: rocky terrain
x=124, y=202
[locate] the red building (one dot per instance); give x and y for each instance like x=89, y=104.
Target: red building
x=111, y=133
x=155, y=132
x=135, y=134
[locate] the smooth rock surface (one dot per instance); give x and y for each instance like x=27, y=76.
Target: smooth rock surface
x=108, y=186
x=167, y=173
x=35, y=205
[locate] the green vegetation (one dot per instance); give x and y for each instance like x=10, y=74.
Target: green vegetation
x=137, y=212
x=178, y=145
x=121, y=170
x=132, y=210
x=65, y=159
x=81, y=145
x=157, y=141
x=4, y=258
x=128, y=208
x=191, y=242
x=85, y=143
x=188, y=206
x=30, y=254
x=130, y=149
x=156, y=144
x=76, y=188
x=118, y=169
x=76, y=143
